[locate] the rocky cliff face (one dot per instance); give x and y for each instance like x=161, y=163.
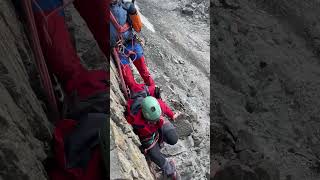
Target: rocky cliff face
x=24, y=127
x=265, y=89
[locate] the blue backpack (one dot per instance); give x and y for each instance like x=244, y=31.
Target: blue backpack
x=120, y=26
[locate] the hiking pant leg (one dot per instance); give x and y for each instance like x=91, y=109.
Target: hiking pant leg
x=159, y=159
x=143, y=71
x=169, y=133
x=61, y=56
x=95, y=14
x=156, y=156
x=129, y=79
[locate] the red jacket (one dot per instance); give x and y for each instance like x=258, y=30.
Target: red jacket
x=141, y=126
x=59, y=169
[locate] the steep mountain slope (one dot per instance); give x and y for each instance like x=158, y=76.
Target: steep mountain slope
x=177, y=54
x=265, y=92
x=24, y=128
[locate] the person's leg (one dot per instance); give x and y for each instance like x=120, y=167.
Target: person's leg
x=95, y=13
x=60, y=55
x=156, y=156
x=128, y=76
x=169, y=133
x=141, y=66
x=159, y=159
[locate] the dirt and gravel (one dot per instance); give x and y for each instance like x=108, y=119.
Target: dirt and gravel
x=265, y=96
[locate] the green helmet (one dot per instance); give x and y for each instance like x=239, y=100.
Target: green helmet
x=151, y=109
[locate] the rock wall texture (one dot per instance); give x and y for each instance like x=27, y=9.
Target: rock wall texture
x=265, y=92
x=24, y=127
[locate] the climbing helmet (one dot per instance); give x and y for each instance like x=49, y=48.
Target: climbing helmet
x=151, y=109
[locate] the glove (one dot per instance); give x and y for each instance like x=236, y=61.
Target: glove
x=157, y=92
x=176, y=115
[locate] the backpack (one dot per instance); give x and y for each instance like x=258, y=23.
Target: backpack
x=120, y=26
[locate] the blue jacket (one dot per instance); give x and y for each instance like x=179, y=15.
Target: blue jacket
x=120, y=11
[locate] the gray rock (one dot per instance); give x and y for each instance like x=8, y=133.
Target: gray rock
x=235, y=171
x=265, y=93
x=267, y=171
x=234, y=4
x=245, y=140
x=187, y=11
x=24, y=128
x=183, y=127
x=175, y=149
x=197, y=140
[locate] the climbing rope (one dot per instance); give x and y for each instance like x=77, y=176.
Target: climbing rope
x=40, y=62
x=123, y=84
x=154, y=142
x=36, y=46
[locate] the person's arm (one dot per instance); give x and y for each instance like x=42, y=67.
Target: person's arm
x=166, y=109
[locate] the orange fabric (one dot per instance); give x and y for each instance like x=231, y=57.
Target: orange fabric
x=136, y=22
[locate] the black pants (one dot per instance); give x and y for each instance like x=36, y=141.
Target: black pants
x=170, y=136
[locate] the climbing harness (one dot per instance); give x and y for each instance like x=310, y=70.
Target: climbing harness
x=152, y=141
x=139, y=39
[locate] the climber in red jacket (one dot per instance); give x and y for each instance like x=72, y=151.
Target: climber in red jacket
x=77, y=153
x=145, y=112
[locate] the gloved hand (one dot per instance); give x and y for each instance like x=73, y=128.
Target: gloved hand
x=176, y=115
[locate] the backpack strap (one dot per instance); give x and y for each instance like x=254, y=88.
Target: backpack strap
x=138, y=98
x=120, y=29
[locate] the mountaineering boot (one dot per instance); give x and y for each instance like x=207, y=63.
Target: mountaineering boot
x=169, y=171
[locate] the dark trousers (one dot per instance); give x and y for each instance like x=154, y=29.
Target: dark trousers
x=169, y=135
